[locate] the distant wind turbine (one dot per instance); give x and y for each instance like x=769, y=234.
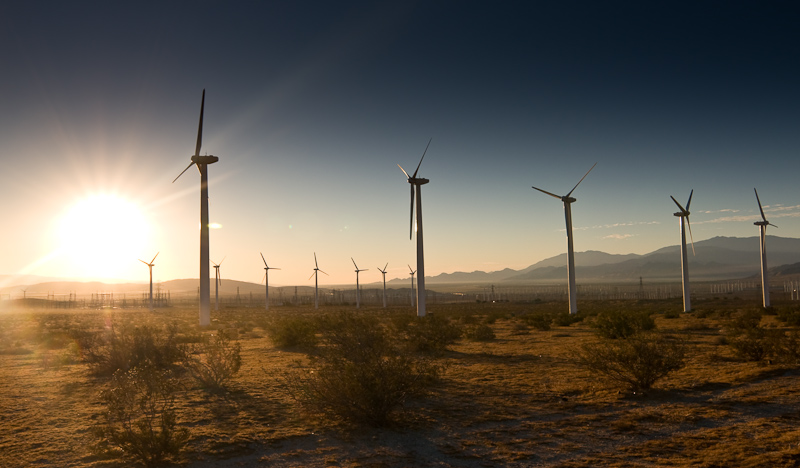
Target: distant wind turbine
x=266, y=278
x=683, y=214
x=416, y=187
x=568, y=201
x=412, y=284
x=202, y=163
x=762, y=226
x=150, y=265
x=316, y=281
x=217, y=283
x=384, y=283
x=358, y=289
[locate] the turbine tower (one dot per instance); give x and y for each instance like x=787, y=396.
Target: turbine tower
x=202, y=163
x=416, y=187
x=683, y=215
x=568, y=201
x=266, y=278
x=384, y=283
x=762, y=226
x=150, y=265
x=316, y=281
x=412, y=284
x=358, y=290
x=217, y=283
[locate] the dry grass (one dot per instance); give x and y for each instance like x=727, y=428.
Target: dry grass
x=518, y=400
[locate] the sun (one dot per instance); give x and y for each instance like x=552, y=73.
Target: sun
x=102, y=236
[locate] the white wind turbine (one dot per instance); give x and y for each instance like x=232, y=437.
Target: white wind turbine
x=412, y=284
x=416, y=186
x=683, y=214
x=383, y=272
x=150, y=265
x=762, y=226
x=316, y=281
x=568, y=201
x=202, y=163
x=266, y=278
x=217, y=283
x=358, y=289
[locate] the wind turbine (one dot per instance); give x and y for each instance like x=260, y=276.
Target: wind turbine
x=202, y=163
x=384, y=283
x=150, y=265
x=217, y=283
x=568, y=201
x=316, y=280
x=683, y=214
x=762, y=226
x=416, y=186
x=412, y=284
x=358, y=290
x=266, y=278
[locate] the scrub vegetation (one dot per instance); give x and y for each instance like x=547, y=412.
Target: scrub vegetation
x=623, y=383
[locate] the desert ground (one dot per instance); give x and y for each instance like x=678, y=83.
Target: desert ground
x=520, y=399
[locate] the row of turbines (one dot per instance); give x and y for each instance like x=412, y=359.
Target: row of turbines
x=416, y=184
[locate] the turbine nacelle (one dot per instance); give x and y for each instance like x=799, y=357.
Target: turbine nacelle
x=207, y=159
x=567, y=198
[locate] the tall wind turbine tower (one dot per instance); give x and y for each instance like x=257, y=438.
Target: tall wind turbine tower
x=412, y=284
x=383, y=272
x=150, y=265
x=266, y=278
x=762, y=226
x=202, y=163
x=316, y=281
x=217, y=283
x=683, y=215
x=358, y=289
x=568, y=201
x=416, y=188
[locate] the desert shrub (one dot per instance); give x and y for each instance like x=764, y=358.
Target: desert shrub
x=215, y=362
x=617, y=323
x=565, y=319
x=131, y=347
x=139, y=417
x=431, y=334
x=672, y=314
x=637, y=361
x=482, y=332
x=361, y=374
x=293, y=332
x=789, y=315
x=749, y=340
x=787, y=349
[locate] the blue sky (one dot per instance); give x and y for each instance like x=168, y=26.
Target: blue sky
x=310, y=106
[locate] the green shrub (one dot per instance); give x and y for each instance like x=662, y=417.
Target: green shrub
x=215, y=362
x=431, y=334
x=139, y=418
x=293, y=332
x=481, y=332
x=361, y=374
x=130, y=347
x=617, y=323
x=749, y=340
x=637, y=361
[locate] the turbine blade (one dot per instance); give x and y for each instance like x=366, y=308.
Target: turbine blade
x=411, y=226
x=315, y=261
x=387, y=264
x=423, y=157
x=312, y=274
x=759, y=207
x=679, y=205
x=404, y=171
x=144, y=262
x=689, y=225
x=154, y=258
x=548, y=193
x=200, y=126
x=579, y=182
x=265, y=276
x=187, y=168
x=690, y=200
x=771, y=224
x=354, y=263
x=265, y=260
x=324, y=273
x=223, y=259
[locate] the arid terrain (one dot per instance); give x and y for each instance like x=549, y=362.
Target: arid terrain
x=521, y=399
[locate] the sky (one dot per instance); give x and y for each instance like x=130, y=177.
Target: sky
x=310, y=106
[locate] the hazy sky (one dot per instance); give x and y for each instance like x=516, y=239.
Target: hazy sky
x=310, y=106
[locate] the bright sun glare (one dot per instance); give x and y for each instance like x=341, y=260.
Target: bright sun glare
x=102, y=236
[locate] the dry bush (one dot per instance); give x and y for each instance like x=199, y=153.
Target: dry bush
x=215, y=362
x=293, y=332
x=749, y=340
x=139, y=418
x=482, y=332
x=637, y=361
x=110, y=351
x=361, y=374
x=613, y=324
x=538, y=321
x=431, y=334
